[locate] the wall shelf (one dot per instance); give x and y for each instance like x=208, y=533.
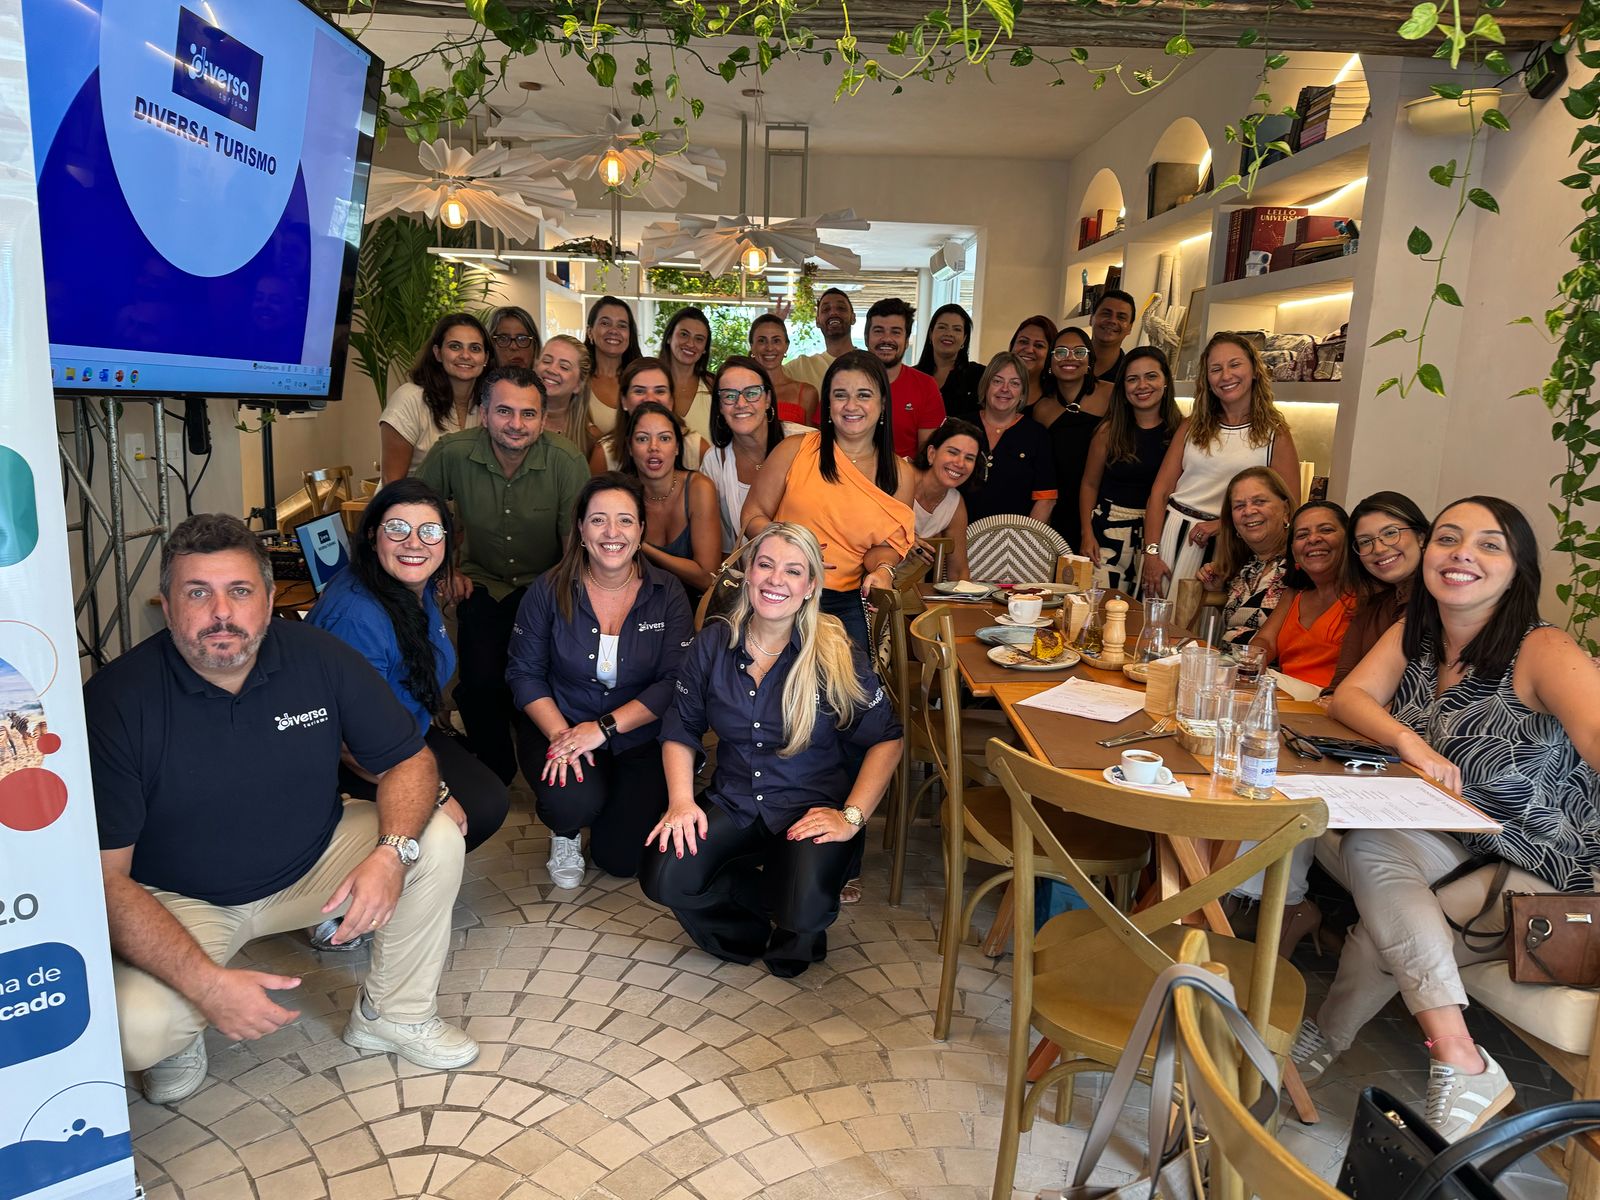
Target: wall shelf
x=1314, y=392
x=1294, y=283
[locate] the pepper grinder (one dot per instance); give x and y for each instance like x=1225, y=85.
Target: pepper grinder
x=1115, y=637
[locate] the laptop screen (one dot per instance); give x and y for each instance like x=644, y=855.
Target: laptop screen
x=326, y=547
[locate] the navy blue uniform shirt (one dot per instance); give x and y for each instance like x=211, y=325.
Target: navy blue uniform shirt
x=556, y=658
x=715, y=692
x=227, y=798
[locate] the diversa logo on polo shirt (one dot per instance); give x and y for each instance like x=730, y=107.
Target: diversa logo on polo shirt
x=652, y=626
x=312, y=716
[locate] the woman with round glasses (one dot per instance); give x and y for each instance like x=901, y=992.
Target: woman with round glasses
x=769, y=346
x=385, y=605
x=1389, y=533
x=745, y=428
x=514, y=336
x=440, y=397
x=1071, y=406
x=644, y=379
x=946, y=355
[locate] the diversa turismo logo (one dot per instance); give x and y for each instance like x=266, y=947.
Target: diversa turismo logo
x=216, y=70
x=313, y=716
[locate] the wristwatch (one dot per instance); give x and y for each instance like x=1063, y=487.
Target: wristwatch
x=853, y=815
x=405, y=847
x=608, y=726
x=444, y=794
x=1153, y=548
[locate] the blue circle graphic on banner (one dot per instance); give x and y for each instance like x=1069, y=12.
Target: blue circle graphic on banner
x=19, y=513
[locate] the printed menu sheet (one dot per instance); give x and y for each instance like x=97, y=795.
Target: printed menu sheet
x=1085, y=698
x=1359, y=802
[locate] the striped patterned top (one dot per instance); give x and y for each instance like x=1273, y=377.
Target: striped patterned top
x=1517, y=765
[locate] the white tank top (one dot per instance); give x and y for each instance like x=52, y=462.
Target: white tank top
x=1207, y=469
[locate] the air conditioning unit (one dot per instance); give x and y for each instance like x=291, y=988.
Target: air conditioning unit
x=949, y=260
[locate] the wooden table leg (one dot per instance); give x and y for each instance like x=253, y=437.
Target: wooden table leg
x=1042, y=1059
x=1304, y=1107
x=1194, y=870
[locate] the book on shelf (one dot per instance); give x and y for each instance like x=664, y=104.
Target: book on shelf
x=1088, y=231
x=1253, y=234
x=1276, y=128
x=1113, y=278
x=1312, y=109
x=1171, y=184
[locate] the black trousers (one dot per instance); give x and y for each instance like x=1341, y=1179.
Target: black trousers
x=621, y=797
x=751, y=893
x=481, y=695
x=477, y=789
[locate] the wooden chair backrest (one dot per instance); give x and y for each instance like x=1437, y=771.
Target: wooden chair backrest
x=327, y=488
x=1278, y=826
x=933, y=640
x=1211, y=1077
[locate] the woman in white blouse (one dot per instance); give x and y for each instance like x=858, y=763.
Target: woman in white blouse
x=744, y=428
x=440, y=396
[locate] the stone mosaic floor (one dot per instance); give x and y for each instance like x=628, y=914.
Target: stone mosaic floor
x=621, y=1063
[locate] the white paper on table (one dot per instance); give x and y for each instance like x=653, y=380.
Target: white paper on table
x=1085, y=698
x=1296, y=689
x=1176, y=788
x=1366, y=802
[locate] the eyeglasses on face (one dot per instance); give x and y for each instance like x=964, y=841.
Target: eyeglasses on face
x=1064, y=352
x=754, y=394
x=396, y=529
x=1387, y=538
x=520, y=340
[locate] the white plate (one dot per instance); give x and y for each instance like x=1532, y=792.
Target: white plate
x=963, y=588
x=1036, y=623
x=1048, y=599
x=1009, y=656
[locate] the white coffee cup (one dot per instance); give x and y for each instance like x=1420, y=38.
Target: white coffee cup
x=1025, y=609
x=1141, y=766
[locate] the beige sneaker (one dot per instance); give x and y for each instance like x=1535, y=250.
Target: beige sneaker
x=1459, y=1103
x=430, y=1043
x=179, y=1077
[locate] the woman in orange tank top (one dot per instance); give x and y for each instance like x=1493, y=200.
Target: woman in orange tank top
x=845, y=484
x=1306, y=630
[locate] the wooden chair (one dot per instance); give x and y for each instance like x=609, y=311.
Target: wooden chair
x=1189, y=598
x=1018, y=549
x=887, y=630
x=941, y=554
x=327, y=488
x=1246, y=1157
x=1080, y=981
x=977, y=824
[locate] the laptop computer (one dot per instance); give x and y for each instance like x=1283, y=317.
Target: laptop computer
x=326, y=548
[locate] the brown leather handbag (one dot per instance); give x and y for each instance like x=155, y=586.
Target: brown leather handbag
x=1550, y=937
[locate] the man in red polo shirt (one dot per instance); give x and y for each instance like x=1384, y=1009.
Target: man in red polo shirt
x=917, y=406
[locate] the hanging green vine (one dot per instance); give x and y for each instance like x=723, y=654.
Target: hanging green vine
x=1569, y=390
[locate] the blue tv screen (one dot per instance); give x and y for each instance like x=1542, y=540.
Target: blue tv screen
x=202, y=169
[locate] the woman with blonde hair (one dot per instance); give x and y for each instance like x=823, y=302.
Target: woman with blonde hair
x=755, y=870
x=563, y=366
x=1234, y=425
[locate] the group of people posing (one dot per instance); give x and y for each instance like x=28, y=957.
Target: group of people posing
x=573, y=500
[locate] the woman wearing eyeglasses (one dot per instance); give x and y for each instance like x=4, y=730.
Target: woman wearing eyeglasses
x=745, y=428
x=385, y=606
x=439, y=398
x=1388, y=532
x=514, y=336
x=1071, y=406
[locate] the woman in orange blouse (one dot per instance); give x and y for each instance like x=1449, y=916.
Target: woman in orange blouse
x=1307, y=628
x=845, y=484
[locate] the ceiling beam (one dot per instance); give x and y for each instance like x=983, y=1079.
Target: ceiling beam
x=1342, y=26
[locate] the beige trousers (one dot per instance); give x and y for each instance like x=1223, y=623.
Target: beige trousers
x=1404, y=943
x=408, y=954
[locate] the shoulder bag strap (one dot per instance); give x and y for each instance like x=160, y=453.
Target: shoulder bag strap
x=1507, y=1141
x=1478, y=940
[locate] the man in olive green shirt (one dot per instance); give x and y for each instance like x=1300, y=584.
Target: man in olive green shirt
x=514, y=492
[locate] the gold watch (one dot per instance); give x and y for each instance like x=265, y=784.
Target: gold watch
x=853, y=815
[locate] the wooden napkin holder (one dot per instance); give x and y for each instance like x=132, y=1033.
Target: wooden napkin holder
x=1161, y=687
x=1077, y=572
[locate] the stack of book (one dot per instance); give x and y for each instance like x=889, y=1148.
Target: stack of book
x=1313, y=107
x=1102, y=224
x=1253, y=234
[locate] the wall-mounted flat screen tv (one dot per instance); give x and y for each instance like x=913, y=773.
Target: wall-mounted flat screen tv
x=202, y=169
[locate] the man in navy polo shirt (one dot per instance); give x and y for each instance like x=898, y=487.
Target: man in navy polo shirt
x=215, y=751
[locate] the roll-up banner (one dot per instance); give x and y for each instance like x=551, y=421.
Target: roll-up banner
x=63, y=1108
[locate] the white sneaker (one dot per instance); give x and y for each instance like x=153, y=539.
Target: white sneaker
x=429, y=1043
x=179, y=1077
x=1311, y=1053
x=566, y=864
x=1459, y=1103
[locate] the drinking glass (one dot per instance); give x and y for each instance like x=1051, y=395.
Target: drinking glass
x=1091, y=639
x=1233, y=706
x=1154, y=640
x=1201, y=670
x=1251, y=660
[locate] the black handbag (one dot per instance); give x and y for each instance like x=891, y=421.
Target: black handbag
x=1395, y=1155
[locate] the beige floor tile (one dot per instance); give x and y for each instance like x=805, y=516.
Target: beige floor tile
x=330, y=1120
x=659, y=1121
x=663, y=1080
x=737, y=1132
x=725, y=1181
x=570, y=1175
x=346, y=1152
x=274, y=1153
x=303, y=1182
x=614, y=1145
x=213, y=1103
x=777, y=1160
x=709, y=1101
x=373, y=1183
x=251, y=1123
x=449, y=1128
x=639, y=1179
x=399, y=1133
x=686, y=1153
x=410, y=1173
x=202, y=1164
x=828, y=1144
x=229, y=1187
x=880, y=1133
x=481, y=1181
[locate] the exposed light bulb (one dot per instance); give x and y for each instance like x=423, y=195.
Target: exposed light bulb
x=753, y=260
x=612, y=169
x=453, y=213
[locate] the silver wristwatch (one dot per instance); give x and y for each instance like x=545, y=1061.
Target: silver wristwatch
x=406, y=848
